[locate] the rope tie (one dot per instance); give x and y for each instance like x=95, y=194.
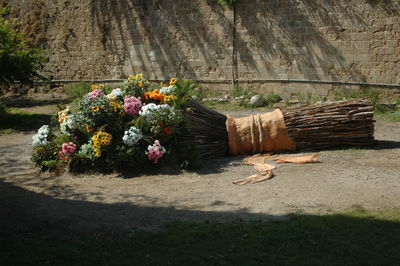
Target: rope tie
x=258, y=133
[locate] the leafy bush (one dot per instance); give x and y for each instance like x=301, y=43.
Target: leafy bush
x=3, y=108
x=365, y=92
x=77, y=90
x=305, y=98
x=18, y=62
x=227, y=2
x=272, y=98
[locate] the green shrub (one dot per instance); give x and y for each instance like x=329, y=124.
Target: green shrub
x=227, y=2
x=202, y=93
x=305, y=98
x=18, y=62
x=77, y=90
x=45, y=157
x=371, y=94
x=3, y=108
x=239, y=91
x=272, y=98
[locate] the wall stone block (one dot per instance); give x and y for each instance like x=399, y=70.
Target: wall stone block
x=353, y=40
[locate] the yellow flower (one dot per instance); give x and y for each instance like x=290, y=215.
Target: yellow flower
x=139, y=76
x=89, y=128
x=97, y=86
x=169, y=98
x=140, y=84
x=172, y=81
x=63, y=115
x=97, y=108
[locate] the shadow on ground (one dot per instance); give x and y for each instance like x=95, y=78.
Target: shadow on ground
x=88, y=232
x=20, y=102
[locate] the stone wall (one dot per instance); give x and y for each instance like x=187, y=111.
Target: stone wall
x=346, y=40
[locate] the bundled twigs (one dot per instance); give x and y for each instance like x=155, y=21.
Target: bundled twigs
x=206, y=129
x=347, y=122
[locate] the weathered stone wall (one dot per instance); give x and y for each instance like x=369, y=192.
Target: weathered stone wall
x=347, y=40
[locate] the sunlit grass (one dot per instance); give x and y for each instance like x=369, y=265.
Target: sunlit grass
x=15, y=120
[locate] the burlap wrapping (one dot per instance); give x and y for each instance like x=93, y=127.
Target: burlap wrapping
x=258, y=133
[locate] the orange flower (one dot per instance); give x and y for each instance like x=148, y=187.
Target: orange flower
x=154, y=95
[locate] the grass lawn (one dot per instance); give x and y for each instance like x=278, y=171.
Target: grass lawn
x=14, y=120
x=390, y=116
x=356, y=237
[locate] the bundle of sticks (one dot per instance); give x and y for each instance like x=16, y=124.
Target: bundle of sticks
x=334, y=124
x=348, y=122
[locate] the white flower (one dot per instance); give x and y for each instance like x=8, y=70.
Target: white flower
x=112, y=97
x=117, y=92
x=167, y=90
x=150, y=109
x=86, y=150
x=132, y=136
x=68, y=125
x=41, y=137
x=114, y=94
x=63, y=114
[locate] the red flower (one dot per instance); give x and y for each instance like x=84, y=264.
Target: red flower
x=168, y=130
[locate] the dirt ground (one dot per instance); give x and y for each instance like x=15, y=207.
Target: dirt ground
x=33, y=202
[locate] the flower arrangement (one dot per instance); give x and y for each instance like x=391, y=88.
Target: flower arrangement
x=110, y=129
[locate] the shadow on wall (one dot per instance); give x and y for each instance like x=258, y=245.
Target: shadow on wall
x=287, y=31
x=389, y=6
x=194, y=38
x=175, y=33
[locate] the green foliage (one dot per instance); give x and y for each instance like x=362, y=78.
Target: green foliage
x=45, y=156
x=18, y=62
x=227, y=2
x=77, y=90
x=272, y=98
x=3, y=108
x=14, y=119
x=202, y=93
x=244, y=95
x=365, y=92
x=305, y=98
x=371, y=94
x=358, y=237
x=184, y=89
x=239, y=91
x=391, y=116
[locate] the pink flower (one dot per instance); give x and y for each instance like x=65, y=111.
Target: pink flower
x=68, y=148
x=155, y=152
x=95, y=94
x=132, y=105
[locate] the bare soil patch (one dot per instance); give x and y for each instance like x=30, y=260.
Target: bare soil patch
x=68, y=204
